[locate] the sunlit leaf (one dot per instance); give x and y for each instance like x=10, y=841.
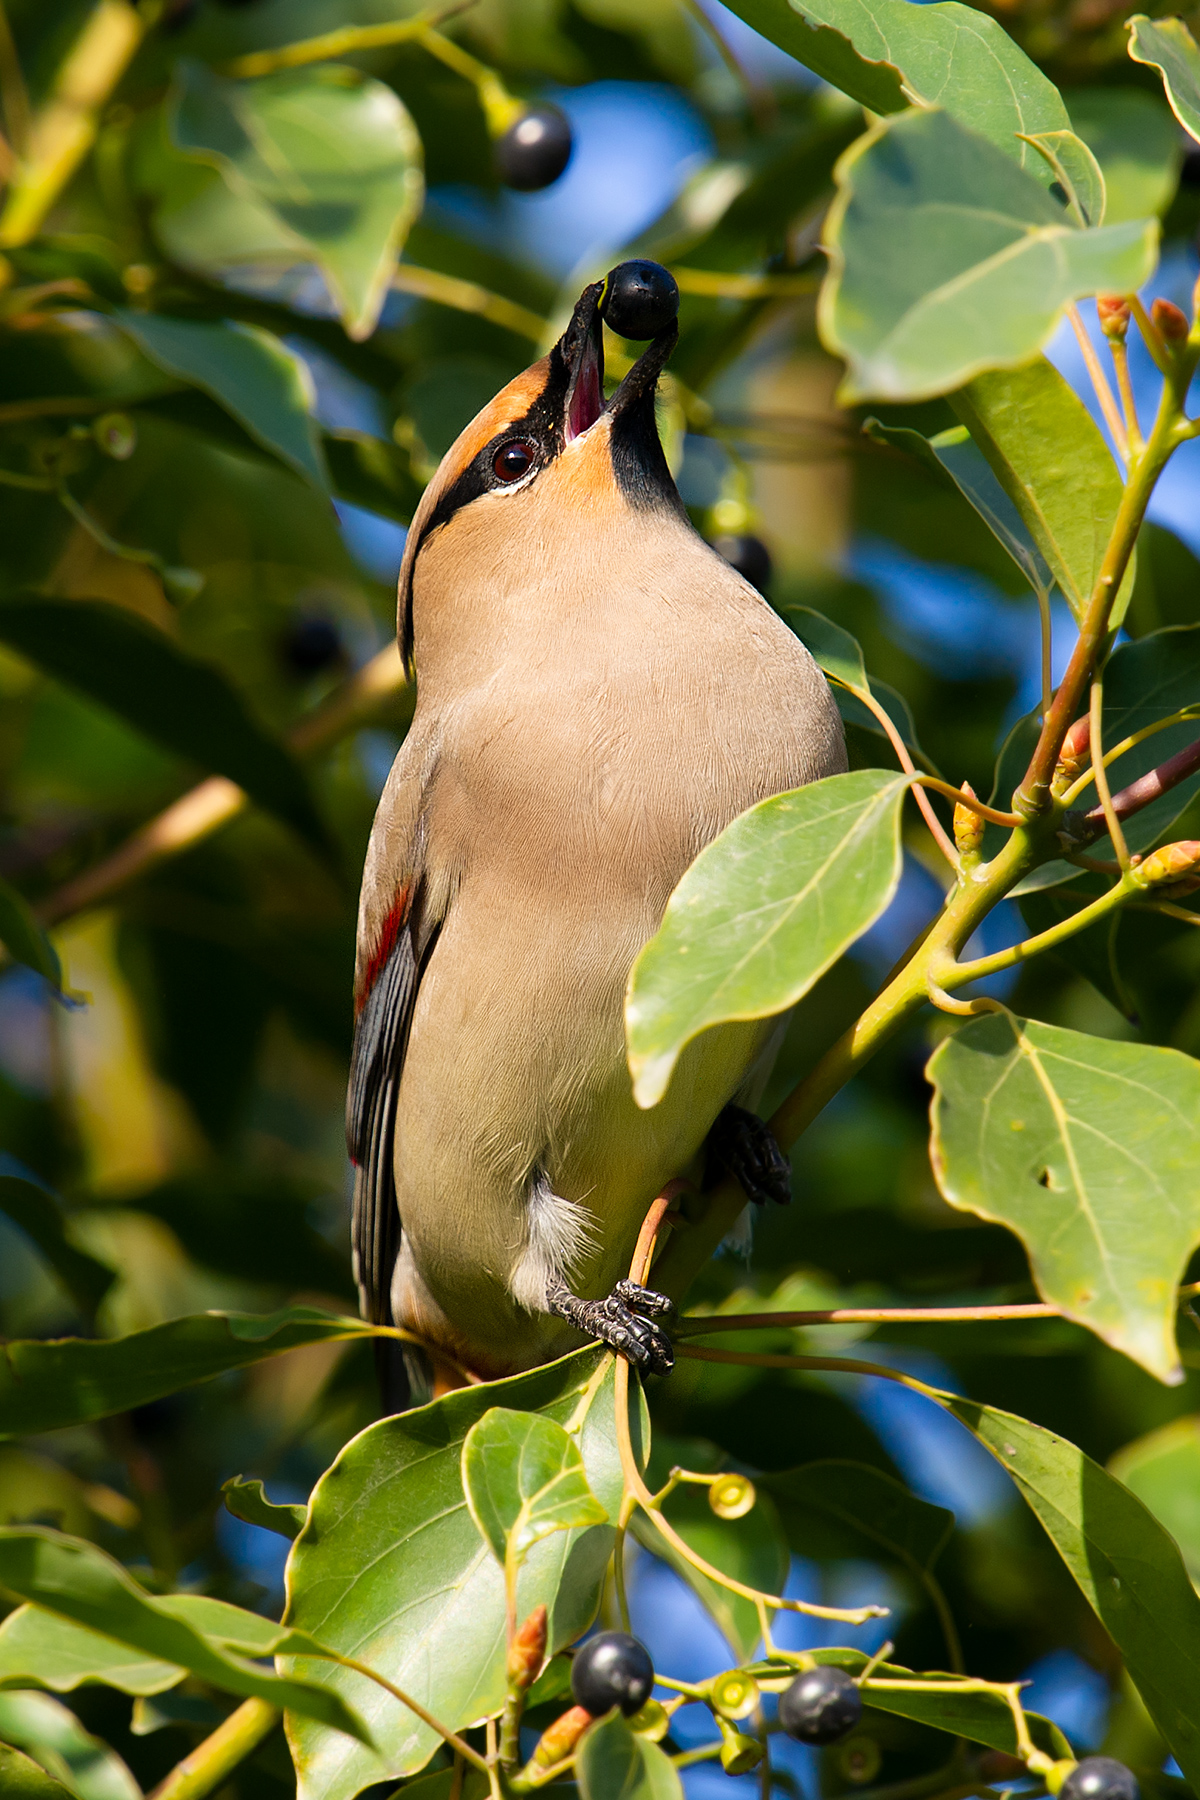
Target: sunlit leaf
x=614, y=1763
x=1128, y=1568
x=247, y=1500
x=249, y=372
x=1133, y=137
x=45, y=1385
x=1168, y=46
x=1089, y=1150
x=39, y=1649
x=79, y=1582
x=524, y=1480
x=23, y=937
x=51, y=1733
x=886, y=55
x=946, y=260
x=1163, y=1470
x=392, y=1563
x=1049, y=457
x=762, y=913
x=329, y=156
x=186, y=705
x=38, y=1211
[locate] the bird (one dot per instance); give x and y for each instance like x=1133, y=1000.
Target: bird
x=599, y=694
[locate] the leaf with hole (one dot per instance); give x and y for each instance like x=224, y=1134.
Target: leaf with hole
x=946, y=259
x=762, y=913
x=1089, y=1150
x=323, y=160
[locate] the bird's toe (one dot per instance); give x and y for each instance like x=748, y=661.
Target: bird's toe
x=646, y=1302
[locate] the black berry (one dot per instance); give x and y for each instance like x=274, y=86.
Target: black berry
x=311, y=644
x=1100, y=1778
x=821, y=1706
x=535, y=149
x=640, y=299
x=748, y=555
x=612, y=1669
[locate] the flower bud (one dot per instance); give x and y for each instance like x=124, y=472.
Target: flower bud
x=968, y=827
x=1073, y=758
x=527, y=1651
x=558, y=1740
x=734, y=1694
x=739, y=1753
x=1171, y=321
x=1113, y=313
x=1174, y=862
x=732, y=1496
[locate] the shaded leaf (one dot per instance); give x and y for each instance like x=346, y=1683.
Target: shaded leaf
x=885, y=55
x=1076, y=172
x=186, y=705
x=39, y=1649
x=751, y=1549
x=946, y=259
x=247, y=1500
x=1168, y=46
x=1128, y=1568
x=52, y=1734
x=38, y=1211
x=248, y=371
x=330, y=157
x=834, y=650
x=524, y=1480
x=79, y=1582
x=1090, y=1151
x=24, y=938
x=45, y=1385
x=23, y=1779
x=613, y=1763
x=391, y=1563
x=866, y=1504
x=1163, y=1470
x=762, y=913
x=1048, y=455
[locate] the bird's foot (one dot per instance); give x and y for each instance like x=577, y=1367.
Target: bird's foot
x=632, y=1320
x=740, y=1145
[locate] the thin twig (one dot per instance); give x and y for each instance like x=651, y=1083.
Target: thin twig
x=717, y=284
x=1099, y=773
x=1183, y=716
x=459, y=1745
x=864, y=1315
x=1147, y=788
x=1104, y=393
x=1133, y=428
x=962, y=798
x=906, y=762
x=346, y=40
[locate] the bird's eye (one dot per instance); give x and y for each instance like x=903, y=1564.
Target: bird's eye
x=513, y=460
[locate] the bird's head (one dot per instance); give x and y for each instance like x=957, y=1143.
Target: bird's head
x=549, y=446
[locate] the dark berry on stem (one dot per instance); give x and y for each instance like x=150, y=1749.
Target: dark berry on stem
x=1100, y=1778
x=612, y=1669
x=820, y=1706
x=535, y=149
x=311, y=644
x=639, y=300
x=748, y=555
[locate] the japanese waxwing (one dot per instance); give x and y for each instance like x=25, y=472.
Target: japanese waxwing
x=599, y=695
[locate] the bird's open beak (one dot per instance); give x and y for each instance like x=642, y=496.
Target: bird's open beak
x=582, y=346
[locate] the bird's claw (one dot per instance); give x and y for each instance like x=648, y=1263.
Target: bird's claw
x=741, y=1145
x=631, y=1320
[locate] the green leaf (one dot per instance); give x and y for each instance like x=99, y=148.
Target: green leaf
x=38, y=1211
x=885, y=55
x=834, y=651
x=1076, y=172
x=1163, y=1470
x=524, y=1480
x=329, y=159
x=24, y=938
x=866, y=1504
x=954, y=453
x=52, y=1734
x=751, y=1549
x=1049, y=457
x=1133, y=137
x=392, y=1563
x=39, y=1649
x=23, y=1779
x=1090, y=1151
x=1128, y=1568
x=1168, y=46
x=946, y=260
x=762, y=913
x=613, y=1763
x=46, y=1385
x=186, y=705
x=247, y=1500
x=256, y=378
x=79, y=1582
